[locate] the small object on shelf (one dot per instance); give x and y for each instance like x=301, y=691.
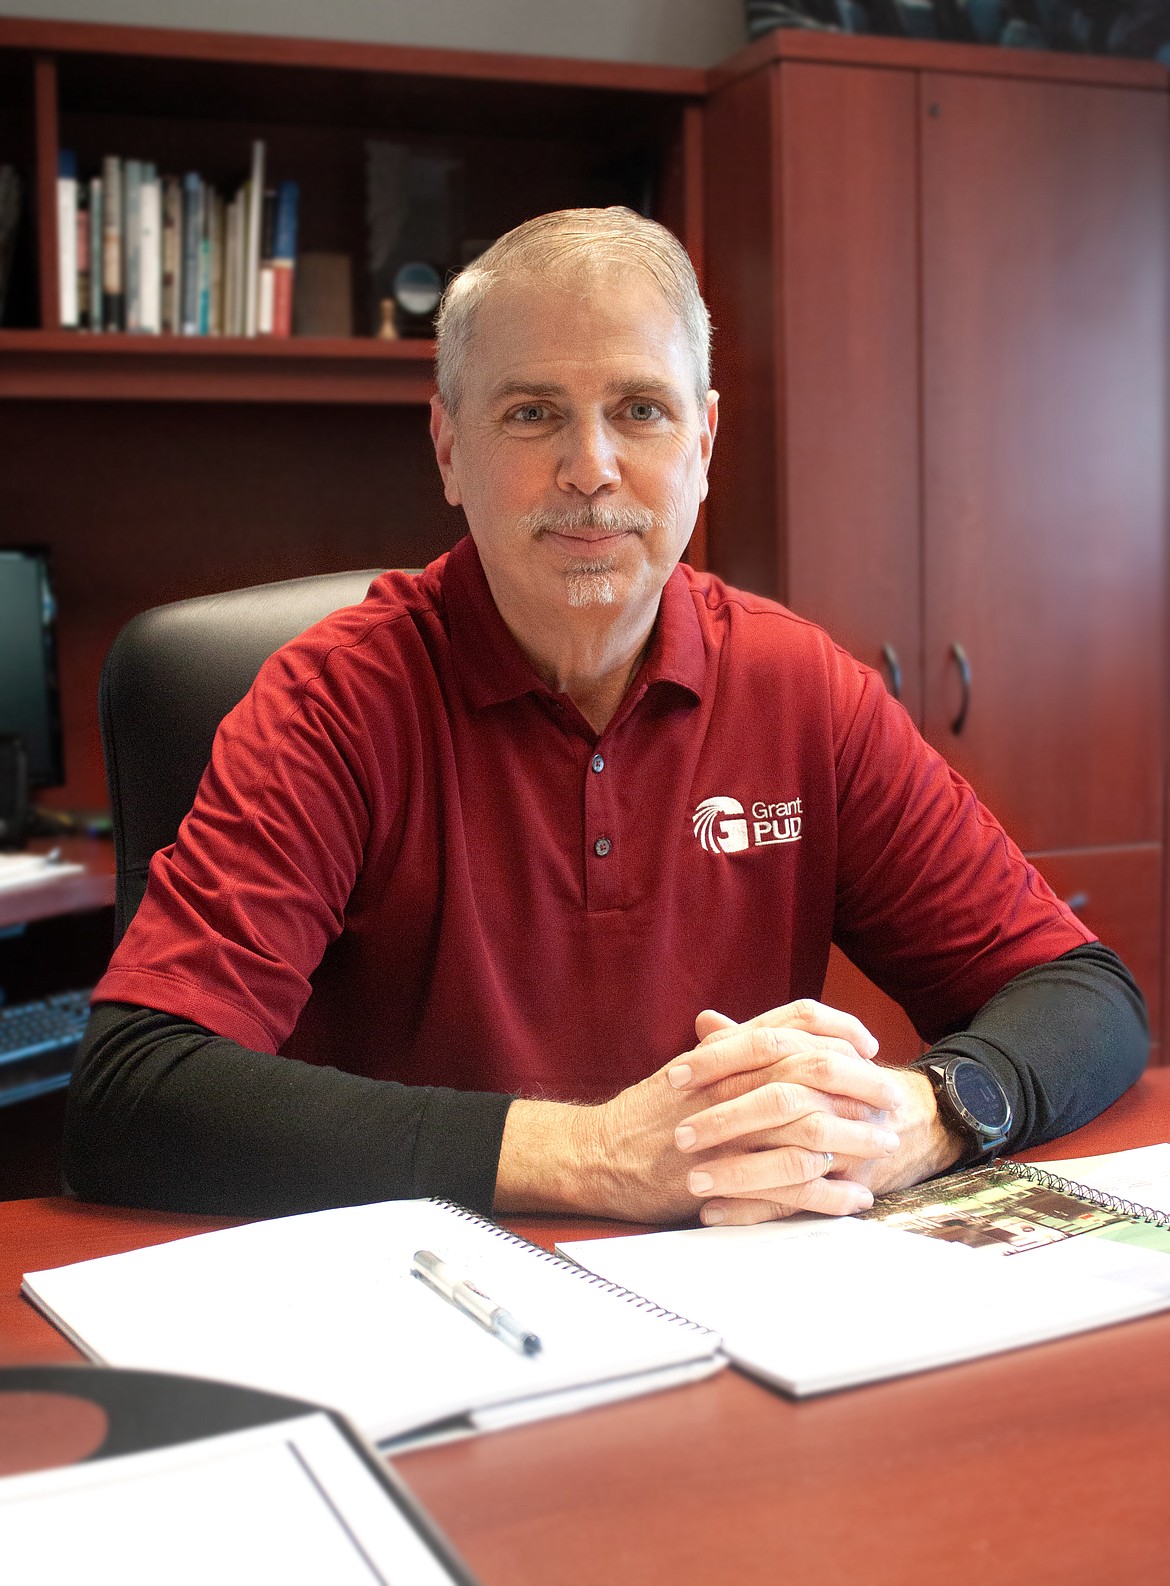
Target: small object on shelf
x=417, y=289
x=414, y=213
x=387, y=329
x=323, y=300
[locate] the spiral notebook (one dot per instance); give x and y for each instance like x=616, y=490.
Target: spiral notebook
x=323, y=1307
x=963, y=1266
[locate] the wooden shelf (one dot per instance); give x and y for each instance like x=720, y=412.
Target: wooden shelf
x=76, y=366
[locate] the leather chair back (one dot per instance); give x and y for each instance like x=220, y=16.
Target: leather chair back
x=171, y=676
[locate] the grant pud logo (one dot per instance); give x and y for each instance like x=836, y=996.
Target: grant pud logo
x=770, y=824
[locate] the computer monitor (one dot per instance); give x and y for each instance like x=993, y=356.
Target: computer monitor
x=30, y=704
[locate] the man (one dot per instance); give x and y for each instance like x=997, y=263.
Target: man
x=517, y=828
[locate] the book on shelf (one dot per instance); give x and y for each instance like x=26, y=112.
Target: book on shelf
x=113, y=317
x=172, y=238
x=233, y=302
x=267, y=253
x=971, y=1264
x=324, y=1306
x=83, y=255
x=254, y=220
x=206, y=227
x=150, y=241
x=284, y=257
x=132, y=243
x=153, y=253
x=67, y=232
x=96, y=307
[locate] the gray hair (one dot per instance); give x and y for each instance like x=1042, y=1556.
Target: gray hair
x=572, y=242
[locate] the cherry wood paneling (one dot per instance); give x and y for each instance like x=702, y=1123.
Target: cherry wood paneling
x=143, y=503
x=744, y=531
x=51, y=365
x=1117, y=892
x=349, y=58
x=849, y=287
x=1044, y=215
x=44, y=192
x=847, y=988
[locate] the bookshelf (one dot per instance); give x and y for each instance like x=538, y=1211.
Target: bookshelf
x=157, y=467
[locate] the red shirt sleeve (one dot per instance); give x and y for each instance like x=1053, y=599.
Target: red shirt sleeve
x=240, y=909
x=935, y=902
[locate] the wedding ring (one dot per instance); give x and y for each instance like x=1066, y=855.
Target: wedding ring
x=828, y=1156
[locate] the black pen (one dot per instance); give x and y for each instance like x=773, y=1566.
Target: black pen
x=473, y=1302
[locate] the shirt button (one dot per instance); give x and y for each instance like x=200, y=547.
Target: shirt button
x=602, y=846
x=597, y=763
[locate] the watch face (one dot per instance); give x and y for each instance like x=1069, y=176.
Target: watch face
x=979, y=1095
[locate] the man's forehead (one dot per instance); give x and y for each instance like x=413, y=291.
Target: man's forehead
x=540, y=338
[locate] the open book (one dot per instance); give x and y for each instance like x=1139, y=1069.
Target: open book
x=323, y=1307
x=963, y=1266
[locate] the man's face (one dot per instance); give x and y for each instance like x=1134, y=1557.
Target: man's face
x=579, y=452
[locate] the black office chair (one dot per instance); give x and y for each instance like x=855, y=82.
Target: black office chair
x=171, y=676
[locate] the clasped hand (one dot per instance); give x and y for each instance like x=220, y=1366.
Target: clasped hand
x=785, y=1113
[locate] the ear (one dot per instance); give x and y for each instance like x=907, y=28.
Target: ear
x=443, y=440
x=710, y=423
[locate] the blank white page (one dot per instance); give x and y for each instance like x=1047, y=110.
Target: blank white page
x=323, y=1307
x=292, y=1502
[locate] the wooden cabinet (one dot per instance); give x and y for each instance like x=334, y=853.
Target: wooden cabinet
x=1044, y=337
x=947, y=441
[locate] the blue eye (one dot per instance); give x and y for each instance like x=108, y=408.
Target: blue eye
x=643, y=411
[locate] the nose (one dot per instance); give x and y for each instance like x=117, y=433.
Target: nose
x=589, y=459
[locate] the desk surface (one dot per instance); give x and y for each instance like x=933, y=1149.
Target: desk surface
x=1049, y=1465
x=69, y=894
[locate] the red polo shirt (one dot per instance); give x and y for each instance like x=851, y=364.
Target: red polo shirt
x=411, y=859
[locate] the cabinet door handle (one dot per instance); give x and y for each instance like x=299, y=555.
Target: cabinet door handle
x=894, y=667
x=959, y=656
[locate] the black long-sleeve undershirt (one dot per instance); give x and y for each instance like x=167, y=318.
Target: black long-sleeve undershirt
x=162, y=1113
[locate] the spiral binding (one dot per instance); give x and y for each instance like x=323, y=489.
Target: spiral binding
x=1085, y=1192
x=581, y=1274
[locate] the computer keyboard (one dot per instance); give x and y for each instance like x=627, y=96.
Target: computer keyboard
x=37, y=1043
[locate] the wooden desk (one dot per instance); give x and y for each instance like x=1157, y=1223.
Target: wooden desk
x=1046, y=1467
x=71, y=894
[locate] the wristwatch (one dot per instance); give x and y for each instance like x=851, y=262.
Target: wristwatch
x=972, y=1103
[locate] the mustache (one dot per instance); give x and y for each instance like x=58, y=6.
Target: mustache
x=606, y=520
